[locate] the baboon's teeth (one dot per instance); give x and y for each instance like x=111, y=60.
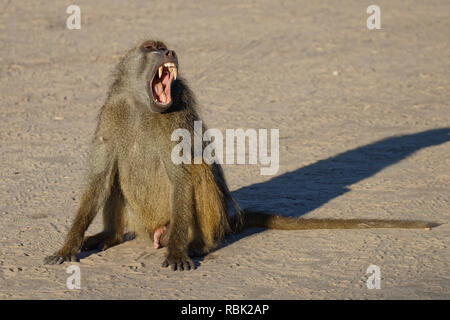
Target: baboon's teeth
x=160, y=71
x=172, y=69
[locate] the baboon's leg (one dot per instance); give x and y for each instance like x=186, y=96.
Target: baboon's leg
x=101, y=175
x=181, y=219
x=113, y=222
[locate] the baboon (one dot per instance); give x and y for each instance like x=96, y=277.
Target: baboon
x=187, y=207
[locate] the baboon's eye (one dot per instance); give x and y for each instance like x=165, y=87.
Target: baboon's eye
x=151, y=45
x=148, y=46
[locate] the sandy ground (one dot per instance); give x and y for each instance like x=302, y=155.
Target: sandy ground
x=364, y=120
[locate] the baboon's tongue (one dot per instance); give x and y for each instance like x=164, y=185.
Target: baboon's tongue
x=162, y=87
x=166, y=79
x=158, y=88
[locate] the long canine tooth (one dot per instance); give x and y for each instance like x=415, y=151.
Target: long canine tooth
x=175, y=73
x=160, y=71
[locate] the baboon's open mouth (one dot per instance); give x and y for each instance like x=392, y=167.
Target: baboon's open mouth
x=162, y=80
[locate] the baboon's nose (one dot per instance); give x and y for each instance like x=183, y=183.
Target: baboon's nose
x=171, y=53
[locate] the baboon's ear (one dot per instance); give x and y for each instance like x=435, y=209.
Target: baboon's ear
x=148, y=45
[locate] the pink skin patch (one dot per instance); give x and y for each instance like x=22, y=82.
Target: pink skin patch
x=157, y=236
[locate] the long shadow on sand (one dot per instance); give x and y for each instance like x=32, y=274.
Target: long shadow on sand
x=300, y=191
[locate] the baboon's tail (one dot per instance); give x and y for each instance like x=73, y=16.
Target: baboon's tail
x=247, y=219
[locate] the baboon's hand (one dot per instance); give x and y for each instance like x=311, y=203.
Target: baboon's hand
x=59, y=258
x=180, y=262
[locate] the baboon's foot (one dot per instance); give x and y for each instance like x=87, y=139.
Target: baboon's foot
x=59, y=257
x=101, y=241
x=178, y=261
